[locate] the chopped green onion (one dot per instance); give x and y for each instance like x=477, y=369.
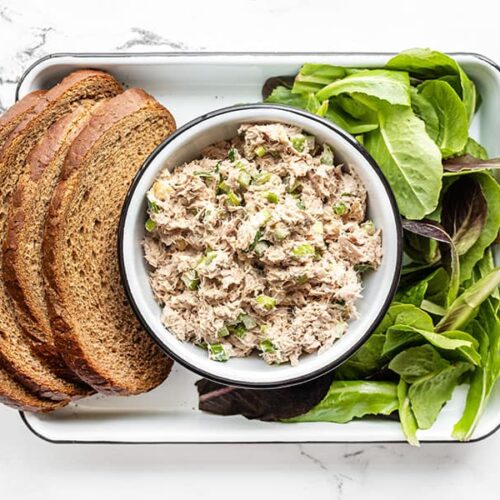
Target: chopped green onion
x=152, y=206
x=231, y=154
x=223, y=187
x=233, y=199
x=262, y=178
x=295, y=188
x=256, y=239
x=303, y=250
x=217, y=352
x=260, y=151
x=204, y=175
x=261, y=247
x=298, y=143
x=327, y=155
x=271, y=197
x=267, y=346
x=244, y=179
x=191, y=279
x=247, y=320
x=361, y=268
x=223, y=332
x=150, y=225
x=340, y=208
x=369, y=227
x=281, y=232
x=266, y=302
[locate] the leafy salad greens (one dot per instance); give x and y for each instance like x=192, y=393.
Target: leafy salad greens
x=443, y=328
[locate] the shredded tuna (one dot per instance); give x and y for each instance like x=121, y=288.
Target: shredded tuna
x=260, y=245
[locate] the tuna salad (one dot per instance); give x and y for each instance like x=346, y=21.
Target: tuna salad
x=260, y=246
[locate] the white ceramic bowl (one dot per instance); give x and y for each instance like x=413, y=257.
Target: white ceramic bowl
x=185, y=145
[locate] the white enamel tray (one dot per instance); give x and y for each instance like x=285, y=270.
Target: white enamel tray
x=190, y=85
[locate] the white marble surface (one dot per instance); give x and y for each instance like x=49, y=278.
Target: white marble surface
x=31, y=468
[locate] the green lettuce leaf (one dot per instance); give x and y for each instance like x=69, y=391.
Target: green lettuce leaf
x=313, y=77
x=347, y=400
x=390, y=86
x=406, y=416
x=430, y=64
x=409, y=159
x=432, y=380
x=453, y=125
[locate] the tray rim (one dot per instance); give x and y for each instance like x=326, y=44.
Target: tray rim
x=174, y=54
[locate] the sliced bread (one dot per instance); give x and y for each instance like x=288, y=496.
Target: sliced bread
x=22, y=269
x=95, y=329
x=15, y=395
x=17, y=113
x=16, y=352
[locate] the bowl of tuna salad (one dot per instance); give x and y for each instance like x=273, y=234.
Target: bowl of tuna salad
x=260, y=246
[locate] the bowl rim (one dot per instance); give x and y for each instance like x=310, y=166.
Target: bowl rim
x=293, y=380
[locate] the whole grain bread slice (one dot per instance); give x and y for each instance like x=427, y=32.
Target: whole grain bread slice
x=22, y=250
x=17, y=355
x=95, y=329
x=15, y=395
x=17, y=113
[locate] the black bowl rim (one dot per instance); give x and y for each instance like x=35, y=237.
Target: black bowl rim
x=346, y=355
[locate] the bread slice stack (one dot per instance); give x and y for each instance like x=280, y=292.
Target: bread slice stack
x=67, y=157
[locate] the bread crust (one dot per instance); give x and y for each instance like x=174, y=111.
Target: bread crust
x=65, y=330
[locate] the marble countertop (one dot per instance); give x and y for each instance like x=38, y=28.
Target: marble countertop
x=31, y=468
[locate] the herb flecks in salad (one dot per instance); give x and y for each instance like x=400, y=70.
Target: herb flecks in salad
x=443, y=329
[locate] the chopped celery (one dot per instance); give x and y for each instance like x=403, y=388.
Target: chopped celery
x=262, y=178
x=369, y=227
x=217, y=352
x=244, y=179
x=208, y=258
x=260, y=151
x=271, y=197
x=231, y=154
x=340, y=208
x=247, y=320
x=150, y=225
x=266, y=302
x=281, y=232
x=240, y=165
x=233, y=199
x=152, y=206
x=303, y=250
x=327, y=155
x=223, y=332
x=240, y=330
x=298, y=143
x=191, y=279
x=298, y=201
x=267, y=346
x=261, y=217
x=261, y=247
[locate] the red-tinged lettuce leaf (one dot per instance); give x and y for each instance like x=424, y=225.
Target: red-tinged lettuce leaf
x=262, y=404
x=464, y=213
x=468, y=162
x=434, y=231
